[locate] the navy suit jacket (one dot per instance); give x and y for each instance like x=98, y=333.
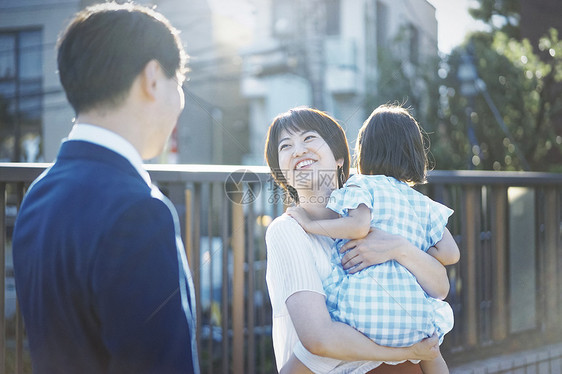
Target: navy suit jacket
x=98, y=275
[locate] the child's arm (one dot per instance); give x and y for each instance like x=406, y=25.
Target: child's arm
x=446, y=250
x=356, y=225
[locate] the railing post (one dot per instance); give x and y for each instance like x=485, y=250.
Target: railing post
x=196, y=256
x=552, y=299
x=225, y=286
x=238, y=227
x=471, y=228
x=251, y=291
x=188, y=240
x=2, y=276
x=19, y=339
x=21, y=189
x=499, y=268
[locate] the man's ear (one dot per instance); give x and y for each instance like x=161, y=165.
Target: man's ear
x=149, y=78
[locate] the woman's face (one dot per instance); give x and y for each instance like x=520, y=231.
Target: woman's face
x=307, y=162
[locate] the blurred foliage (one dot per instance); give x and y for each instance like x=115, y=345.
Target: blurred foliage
x=413, y=86
x=499, y=15
x=525, y=88
x=522, y=81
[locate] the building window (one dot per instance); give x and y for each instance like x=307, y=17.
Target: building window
x=333, y=17
x=371, y=46
x=414, y=43
x=381, y=25
x=284, y=18
x=286, y=15
x=20, y=94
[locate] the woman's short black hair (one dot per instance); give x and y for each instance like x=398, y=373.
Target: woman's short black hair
x=391, y=143
x=306, y=119
x=106, y=46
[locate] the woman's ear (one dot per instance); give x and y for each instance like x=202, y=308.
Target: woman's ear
x=339, y=162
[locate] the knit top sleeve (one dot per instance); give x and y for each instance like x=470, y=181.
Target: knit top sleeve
x=291, y=266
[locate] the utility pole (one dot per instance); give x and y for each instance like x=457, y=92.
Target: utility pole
x=467, y=75
x=314, y=28
x=472, y=85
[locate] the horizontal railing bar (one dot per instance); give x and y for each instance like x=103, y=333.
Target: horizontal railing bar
x=27, y=172
x=487, y=177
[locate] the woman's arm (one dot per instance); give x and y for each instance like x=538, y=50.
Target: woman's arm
x=324, y=337
x=294, y=366
x=295, y=288
x=379, y=246
x=353, y=226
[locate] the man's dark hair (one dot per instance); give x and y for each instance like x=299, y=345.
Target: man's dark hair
x=106, y=46
x=391, y=143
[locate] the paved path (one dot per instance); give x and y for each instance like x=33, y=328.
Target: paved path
x=545, y=360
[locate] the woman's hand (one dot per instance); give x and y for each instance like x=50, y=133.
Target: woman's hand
x=377, y=247
x=427, y=349
x=380, y=246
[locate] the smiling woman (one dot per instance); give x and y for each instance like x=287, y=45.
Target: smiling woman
x=305, y=153
x=310, y=134
x=307, y=142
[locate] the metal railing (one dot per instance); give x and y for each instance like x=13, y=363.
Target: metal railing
x=506, y=291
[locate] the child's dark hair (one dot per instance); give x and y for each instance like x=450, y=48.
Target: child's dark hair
x=391, y=143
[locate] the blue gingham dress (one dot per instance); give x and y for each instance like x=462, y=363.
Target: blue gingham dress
x=385, y=302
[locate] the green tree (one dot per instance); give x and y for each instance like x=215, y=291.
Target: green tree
x=414, y=86
x=499, y=15
x=6, y=130
x=524, y=87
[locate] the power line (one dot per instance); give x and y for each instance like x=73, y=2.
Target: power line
x=27, y=7
x=42, y=94
x=199, y=101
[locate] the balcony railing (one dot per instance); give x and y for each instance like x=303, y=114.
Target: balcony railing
x=506, y=291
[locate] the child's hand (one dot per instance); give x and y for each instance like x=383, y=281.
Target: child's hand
x=300, y=215
x=427, y=349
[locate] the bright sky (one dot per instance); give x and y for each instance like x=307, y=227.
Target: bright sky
x=454, y=22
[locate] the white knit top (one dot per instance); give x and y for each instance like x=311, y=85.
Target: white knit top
x=298, y=261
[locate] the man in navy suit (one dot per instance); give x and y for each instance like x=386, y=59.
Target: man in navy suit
x=101, y=274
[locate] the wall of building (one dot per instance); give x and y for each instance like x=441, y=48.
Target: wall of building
x=50, y=16
x=348, y=59
x=213, y=125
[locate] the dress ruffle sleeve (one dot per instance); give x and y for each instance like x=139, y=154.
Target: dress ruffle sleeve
x=354, y=193
x=438, y=217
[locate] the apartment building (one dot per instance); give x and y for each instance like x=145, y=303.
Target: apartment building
x=34, y=113
x=323, y=54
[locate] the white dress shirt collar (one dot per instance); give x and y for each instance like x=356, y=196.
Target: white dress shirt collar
x=112, y=141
